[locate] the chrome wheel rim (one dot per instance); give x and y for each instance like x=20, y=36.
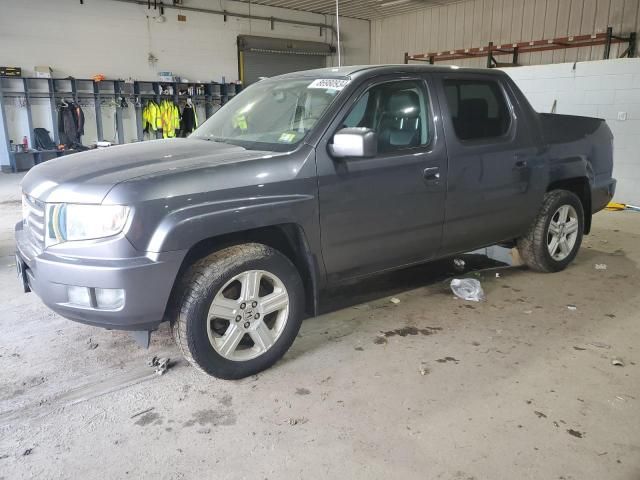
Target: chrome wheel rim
x=248, y=315
x=562, y=233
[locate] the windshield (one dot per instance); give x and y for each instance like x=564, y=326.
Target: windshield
x=272, y=115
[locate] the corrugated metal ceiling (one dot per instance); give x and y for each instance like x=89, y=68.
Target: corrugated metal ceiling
x=364, y=9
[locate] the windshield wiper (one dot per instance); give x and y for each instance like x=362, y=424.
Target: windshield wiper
x=214, y=139
x=226, y=141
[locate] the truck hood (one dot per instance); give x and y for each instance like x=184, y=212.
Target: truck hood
x=88, y=177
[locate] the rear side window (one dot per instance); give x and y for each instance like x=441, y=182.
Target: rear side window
x=478, y=109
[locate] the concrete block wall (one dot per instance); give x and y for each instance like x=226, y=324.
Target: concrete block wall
x=608, y=89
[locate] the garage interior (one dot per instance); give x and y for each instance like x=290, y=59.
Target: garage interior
x=397, y=376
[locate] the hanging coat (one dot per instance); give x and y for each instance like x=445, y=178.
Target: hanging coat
x=70, y=124
x=176, y=119
x=67, y=127
x=151, y=117
x=169, y=118
x=188, y=120
x=78, y=117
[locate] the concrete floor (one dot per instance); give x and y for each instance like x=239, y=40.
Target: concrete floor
x=517, y=387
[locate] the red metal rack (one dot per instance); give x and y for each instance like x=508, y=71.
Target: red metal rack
x=514, y=49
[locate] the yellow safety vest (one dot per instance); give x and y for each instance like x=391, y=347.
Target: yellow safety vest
x=169, y=118
x=150, y=116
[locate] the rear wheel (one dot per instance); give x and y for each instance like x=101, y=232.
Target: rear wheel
x=239, y=310
x=554, y=238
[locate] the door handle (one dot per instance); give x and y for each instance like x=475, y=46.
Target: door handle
x=431, y=174
x=521, y=164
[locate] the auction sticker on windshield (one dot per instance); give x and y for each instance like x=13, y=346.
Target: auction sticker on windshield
x=287, y=137
x=330, y=83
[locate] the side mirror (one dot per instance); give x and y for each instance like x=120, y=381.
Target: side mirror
x=354, y=142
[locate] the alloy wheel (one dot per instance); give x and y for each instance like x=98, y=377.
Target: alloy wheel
x=562, y=232
x=247, y=315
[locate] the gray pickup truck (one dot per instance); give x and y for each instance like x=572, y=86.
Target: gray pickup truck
x=301, y=181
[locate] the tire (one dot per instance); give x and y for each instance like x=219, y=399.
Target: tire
x=206, y=332
x=536, y=245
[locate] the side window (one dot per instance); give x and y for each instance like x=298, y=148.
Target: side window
x=478, y=109
x=356, y=116
x=396, y=111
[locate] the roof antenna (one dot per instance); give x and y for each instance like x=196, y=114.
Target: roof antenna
x=338, y=31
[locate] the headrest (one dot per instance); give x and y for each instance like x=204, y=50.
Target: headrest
x=403, y=104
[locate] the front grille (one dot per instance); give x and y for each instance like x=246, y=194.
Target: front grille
x=33, y=222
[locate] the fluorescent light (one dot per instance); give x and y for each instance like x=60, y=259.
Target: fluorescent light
x=394, y=2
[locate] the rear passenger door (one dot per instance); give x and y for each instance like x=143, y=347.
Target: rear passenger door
x=491, y=156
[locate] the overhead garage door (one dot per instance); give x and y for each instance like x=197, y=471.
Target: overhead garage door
x=267, y=57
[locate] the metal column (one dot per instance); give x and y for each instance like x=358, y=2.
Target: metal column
x=118, y=98
x=138, y=109
x=97, y=102
x=54, y=110
x=27, y=99
x=3, y=121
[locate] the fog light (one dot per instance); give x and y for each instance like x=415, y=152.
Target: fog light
x=110, y=298
x=79, y=296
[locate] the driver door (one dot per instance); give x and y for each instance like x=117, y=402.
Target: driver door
x=387, y=211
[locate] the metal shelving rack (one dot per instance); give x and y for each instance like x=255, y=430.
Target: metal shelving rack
x=491, y=51
x=56, y=89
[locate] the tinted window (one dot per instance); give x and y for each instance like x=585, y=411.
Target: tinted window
x=396, y=111
x=478, y=109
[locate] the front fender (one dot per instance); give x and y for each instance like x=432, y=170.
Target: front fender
x=186, y=226
x=174, y=210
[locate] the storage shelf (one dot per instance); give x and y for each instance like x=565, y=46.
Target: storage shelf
x=215, y=94
x=492, y=50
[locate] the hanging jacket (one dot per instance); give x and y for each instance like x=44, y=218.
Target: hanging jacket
x=151, y=117
x=176, y=119
x=188, y=120
x=67, y=127
x=169, y=118
x=71, y=125
x=166, y=120
x=78, y=117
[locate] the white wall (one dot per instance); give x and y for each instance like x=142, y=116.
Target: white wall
x=474, y=23
x=605, y=89
x=115, y=38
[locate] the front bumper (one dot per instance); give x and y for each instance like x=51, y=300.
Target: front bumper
x=147, y=279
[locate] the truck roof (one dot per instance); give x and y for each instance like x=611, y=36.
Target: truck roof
x=358, y=71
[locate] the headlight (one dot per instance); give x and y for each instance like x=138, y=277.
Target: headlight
x=68, y=221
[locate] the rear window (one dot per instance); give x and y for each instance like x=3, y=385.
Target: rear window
x=478, y=109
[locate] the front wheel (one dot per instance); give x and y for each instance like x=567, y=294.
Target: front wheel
x=239, y=310
x=554, y=238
